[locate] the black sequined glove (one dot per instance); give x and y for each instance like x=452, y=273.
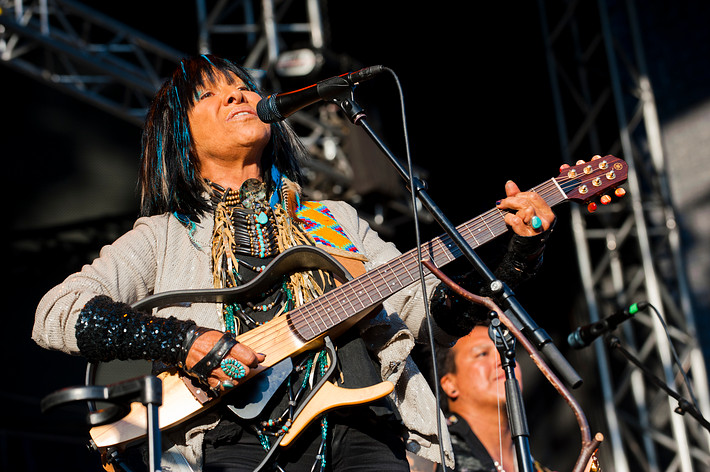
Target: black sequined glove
x=108, y=330
x=457, y=316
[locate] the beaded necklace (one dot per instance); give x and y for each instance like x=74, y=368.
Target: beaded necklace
x=248, y=234
x=252, y=219
x=245, y=237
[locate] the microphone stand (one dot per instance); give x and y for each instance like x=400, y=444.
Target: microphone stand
x=147, y=389
x=343, y=97
x=501, y=292
x=505, y=344
x=684, y=406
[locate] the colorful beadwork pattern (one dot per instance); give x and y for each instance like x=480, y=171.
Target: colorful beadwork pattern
x=321, y=224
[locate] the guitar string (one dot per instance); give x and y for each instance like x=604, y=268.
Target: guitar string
x=325, y=305
x=303, y=318
x=316, y=309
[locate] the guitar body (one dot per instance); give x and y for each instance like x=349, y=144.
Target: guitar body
x=183, y=399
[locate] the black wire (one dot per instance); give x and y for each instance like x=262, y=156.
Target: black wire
x=674, y=354
x=421, y=268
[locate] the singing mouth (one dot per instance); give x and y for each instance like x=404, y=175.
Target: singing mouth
x=239, y=113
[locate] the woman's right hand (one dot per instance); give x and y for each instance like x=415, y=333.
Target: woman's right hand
x=239, y=352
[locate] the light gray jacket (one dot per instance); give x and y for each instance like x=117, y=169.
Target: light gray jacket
x=159, y=254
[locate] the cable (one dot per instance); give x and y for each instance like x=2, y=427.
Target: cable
x=417, y=234
x=674, y=354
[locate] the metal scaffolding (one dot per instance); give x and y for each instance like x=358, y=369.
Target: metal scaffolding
x=84, y=53
x=111, y=65
x=117, y=68
x=629, y=251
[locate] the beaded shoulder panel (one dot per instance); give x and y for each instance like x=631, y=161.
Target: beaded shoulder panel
x=322, y=226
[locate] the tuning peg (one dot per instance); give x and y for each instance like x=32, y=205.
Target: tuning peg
x=605, y=199
x=579, y=162
x=619, y=192
x=597, y=156
x=592, y=207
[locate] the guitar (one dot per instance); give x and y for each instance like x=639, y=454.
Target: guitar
x=337, y=310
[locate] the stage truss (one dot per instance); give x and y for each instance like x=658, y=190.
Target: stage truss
x=629, y=251
x=90, y=55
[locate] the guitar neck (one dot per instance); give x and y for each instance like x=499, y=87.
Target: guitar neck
x=314, y=319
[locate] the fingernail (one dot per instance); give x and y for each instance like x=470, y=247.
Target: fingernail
x=497, y=202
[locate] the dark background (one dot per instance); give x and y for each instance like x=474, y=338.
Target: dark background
x=479, y=112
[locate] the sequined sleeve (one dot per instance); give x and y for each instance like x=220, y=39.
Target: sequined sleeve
x=108, y=330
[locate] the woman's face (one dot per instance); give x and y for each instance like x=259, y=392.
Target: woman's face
x=224, y=123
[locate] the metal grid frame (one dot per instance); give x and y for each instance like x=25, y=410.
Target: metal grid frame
x=630, y=251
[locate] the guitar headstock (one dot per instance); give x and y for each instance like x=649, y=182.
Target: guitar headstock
x=586, y=180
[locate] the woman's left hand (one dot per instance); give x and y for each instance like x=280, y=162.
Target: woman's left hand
x=528, y=214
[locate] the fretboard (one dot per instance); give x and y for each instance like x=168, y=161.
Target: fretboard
x=317, y=317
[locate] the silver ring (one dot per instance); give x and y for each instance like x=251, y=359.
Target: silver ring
x=227, y=384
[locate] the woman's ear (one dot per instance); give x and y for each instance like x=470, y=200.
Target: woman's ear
x=448, y=385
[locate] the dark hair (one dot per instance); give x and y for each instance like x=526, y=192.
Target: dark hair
x=445, y=364
x=445, y=360
x=169, y=177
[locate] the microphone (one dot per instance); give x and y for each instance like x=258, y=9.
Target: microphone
x=279, y=106
x=584, y=335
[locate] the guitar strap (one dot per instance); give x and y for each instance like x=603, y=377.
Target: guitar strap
x=320, y=223
x=327, y=233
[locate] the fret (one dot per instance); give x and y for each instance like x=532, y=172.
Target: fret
x=386, y=275
x=341, y=308
x=406, y=268
x=328, y=309
x=304, y=314
x=350, y=299
x=317, y=312
x=449, y=250
x=332, y=308
x=473, y=235
x=356, y=300
x=363, y=292
x=486, y=224
x=374, y=285
x=396, y=280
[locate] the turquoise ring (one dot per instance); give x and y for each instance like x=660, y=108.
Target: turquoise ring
x=233, y=368
x=536, y=222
